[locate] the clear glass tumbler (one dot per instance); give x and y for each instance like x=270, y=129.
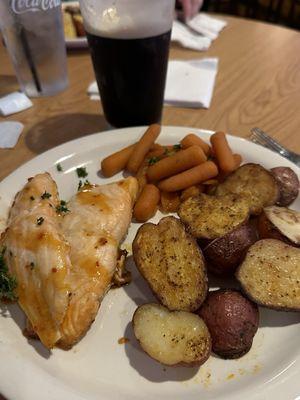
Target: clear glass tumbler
x=129, y=44
x=33, y=35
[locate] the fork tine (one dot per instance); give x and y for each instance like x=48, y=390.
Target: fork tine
x=260, y=140
x=254, y=139
x=268, y=139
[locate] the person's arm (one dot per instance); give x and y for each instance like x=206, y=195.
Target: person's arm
x=190, y=7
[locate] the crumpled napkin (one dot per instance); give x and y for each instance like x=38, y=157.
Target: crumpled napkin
x=13, y=103
x=189, y=83
x=10, y=132
x=198, y=33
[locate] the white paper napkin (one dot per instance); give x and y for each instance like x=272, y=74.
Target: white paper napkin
x=10, y=132
x=191, y=83
x=187, y=38
x=206, y=25
x=13, y=103
x=198, y=33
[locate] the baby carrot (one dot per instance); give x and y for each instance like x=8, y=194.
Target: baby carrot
x=194, y=140
x=156, y=152
x=222, y=152
x=180, y=161
x=238, y=160
x=142, y=148
x=191, y=177
x=169, y=201
x=141, y=175
x=147, y=203
x=114, y=163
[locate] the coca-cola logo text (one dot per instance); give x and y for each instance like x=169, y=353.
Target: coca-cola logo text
x=23, y=6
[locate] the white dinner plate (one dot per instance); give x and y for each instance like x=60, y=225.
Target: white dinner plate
x=98, y=367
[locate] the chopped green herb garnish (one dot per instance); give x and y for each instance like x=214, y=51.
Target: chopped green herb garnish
x=177, y=147
x=46, y=195
x=39, y=221
x=59, y=167
x=167, y=152
x=32, y=198
x=80, y=184
x=62, y=208
x=8, y=283
x=32, y=265
x=81, y=172
x=153, y=160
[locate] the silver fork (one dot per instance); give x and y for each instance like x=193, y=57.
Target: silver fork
x=260, y=137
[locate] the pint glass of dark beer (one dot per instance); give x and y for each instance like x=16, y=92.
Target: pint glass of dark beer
x=129, y=44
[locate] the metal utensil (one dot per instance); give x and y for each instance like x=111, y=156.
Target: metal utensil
x=260, y=137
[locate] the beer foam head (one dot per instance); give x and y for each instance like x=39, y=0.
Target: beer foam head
x=127, y=19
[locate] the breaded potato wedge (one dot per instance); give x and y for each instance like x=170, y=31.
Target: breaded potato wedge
x=257, y=185
x=280, y=223
x=209, y=217
x=172, y=263
x=171, y=338
x=270, y=275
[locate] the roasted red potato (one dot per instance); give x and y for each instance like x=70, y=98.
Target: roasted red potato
x=232, y=321
x=253, y=182
x=224, y=254
x=280, y=223
x=288, y=183
x=172, y=338
x=270, y=275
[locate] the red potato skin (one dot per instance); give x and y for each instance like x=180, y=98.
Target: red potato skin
x=267, y=230
x=232, y=320
x=288, y=183
x=224, y=254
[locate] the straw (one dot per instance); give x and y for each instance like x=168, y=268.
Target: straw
x=28, y=55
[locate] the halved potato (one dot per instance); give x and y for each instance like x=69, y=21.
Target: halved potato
x=257, y=185
x=232, y=321
x=209, y=217
x=172, y=263
x=280, y=223
x=270, y=275
x=224, y=254
x=171, y=338
x=288, y=183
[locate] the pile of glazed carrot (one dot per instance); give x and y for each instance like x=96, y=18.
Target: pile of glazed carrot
x=168, y=175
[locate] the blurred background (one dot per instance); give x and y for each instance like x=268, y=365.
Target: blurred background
x=283, y=12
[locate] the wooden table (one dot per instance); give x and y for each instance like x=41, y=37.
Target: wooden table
x=258, y=84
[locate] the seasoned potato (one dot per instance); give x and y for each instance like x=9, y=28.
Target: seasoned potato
x=257, y=185
x=171, y=262
x=208, y=217
x=171, y=338
x=270, y=275
x=232, y=321
x=224, y=254
x=280, y=223
x=288, y=183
